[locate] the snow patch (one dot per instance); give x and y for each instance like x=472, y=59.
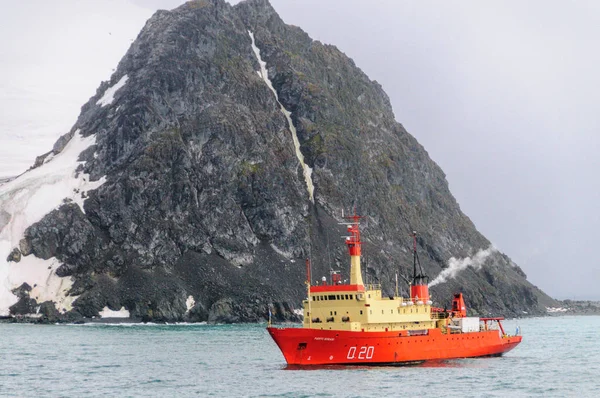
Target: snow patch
x=26, y=200
x=189, y=303
x=108, y=313
x=41, y=275
x=556, y=309
x=265, y=76
x=109, y=94
x=456, y=265
x=80, y=194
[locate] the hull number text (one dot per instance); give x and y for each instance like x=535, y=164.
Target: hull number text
x=365, y=352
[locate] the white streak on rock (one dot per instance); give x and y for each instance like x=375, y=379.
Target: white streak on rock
x=456, y=265
x=282, y=253
x=189, y=303
x=265, y=76
x=109, y=94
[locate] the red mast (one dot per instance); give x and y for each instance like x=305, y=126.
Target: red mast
x=354, y=244
x=353, y=241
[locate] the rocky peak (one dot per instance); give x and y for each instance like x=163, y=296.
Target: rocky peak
x=206, y=165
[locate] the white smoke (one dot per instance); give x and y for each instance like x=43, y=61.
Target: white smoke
x=456, y=265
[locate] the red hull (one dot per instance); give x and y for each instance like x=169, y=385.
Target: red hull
x=302, y=346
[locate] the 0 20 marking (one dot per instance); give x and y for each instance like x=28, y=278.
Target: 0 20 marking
x=365, y=352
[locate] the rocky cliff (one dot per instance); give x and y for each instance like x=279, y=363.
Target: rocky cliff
x=224, y=147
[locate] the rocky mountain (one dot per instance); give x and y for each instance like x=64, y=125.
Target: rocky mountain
x=217, y=158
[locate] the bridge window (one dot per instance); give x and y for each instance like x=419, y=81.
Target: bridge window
x=332, y=297
x=337, y=297
x=351, y=297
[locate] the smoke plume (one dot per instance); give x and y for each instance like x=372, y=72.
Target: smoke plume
x=456, y=265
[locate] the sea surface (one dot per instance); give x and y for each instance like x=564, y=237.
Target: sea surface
x=559, y=356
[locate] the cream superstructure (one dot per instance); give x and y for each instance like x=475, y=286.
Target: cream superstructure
x=360, y=307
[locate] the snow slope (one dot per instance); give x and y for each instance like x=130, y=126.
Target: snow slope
x=26, y=200
x=53, y=57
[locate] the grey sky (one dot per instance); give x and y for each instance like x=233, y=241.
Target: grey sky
x=502, y=94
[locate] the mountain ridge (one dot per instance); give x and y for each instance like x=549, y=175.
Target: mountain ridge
x=205, y=196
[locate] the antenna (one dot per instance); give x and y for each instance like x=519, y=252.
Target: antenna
x=328, y=249
x=415, y=255
x=421, y=276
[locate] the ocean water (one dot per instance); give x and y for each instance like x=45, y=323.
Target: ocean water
x=559, y=356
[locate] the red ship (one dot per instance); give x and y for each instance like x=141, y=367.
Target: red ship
x=353, y=324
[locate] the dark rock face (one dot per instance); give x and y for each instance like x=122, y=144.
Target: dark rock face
x=49, y=313
x=25, y=305
x=22, y=290
x=204, y=195
x=15, y=255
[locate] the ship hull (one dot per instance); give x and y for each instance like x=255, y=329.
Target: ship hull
x=303, y=346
